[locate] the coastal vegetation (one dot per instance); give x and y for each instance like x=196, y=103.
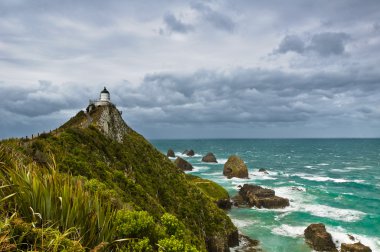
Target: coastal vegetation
x=78, y=189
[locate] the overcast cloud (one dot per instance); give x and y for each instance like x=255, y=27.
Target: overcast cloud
x=182, y=69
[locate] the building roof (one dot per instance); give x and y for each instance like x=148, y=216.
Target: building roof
x=105, y=91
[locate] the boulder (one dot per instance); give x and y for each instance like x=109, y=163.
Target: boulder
x=318, y=238
x=263, y=171
x=183, y=164
x=247, y=244
x=189, y=153
x=260, y=197
x=356, y=247
x=224, y=204
x=170, y=153
x=235, y=167
x=209, y=158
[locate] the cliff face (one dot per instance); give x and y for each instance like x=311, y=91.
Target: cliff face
x=100, y=147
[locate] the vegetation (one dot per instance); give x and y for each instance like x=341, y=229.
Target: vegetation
x=75, y=189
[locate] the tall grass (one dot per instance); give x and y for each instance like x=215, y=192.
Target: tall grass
x=47, y=198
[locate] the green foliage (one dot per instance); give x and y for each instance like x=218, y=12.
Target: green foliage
x=173, y=227
x=135, y=224
x=172, y=244
x=49, y=199
x=138, y=245
x=131, y=175
x=210, y=188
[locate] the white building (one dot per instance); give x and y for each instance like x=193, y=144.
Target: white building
x=104, y=99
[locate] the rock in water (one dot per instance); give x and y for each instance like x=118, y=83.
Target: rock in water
x=318, y=238
x=170, y=153
x=183, y=164
x=209, y=158
x=263, y=171
x=356, y=247
x=260, y=197
x=235, y=167
x=189, y=153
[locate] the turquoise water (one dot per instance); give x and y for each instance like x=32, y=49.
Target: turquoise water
x=333, y=181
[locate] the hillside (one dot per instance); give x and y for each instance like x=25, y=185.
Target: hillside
x=121, y=171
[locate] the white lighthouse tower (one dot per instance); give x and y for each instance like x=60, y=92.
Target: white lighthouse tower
x=104, y=99
x=105, y=95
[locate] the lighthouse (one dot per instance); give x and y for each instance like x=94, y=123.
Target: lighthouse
x=104, y=99
x=105, y=95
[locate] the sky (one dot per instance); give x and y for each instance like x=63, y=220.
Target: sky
x=194, y=69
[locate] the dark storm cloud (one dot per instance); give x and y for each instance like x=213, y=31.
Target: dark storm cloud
x=291, y=43
x=175, y=24
x=251, y=96
x=324, y=44
x=43, y=99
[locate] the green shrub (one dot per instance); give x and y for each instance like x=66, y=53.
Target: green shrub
x=174, y=245
x=134, y=224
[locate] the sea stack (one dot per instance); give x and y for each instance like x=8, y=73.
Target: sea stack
x=170, y=153
x=183, y=164
x=318, y=238
x=235, y=167
x=209, y=158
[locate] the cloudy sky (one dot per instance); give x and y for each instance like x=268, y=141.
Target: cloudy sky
x=194, y=69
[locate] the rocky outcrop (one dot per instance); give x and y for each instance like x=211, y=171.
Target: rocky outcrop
x=183, y=164
x=189, y=153
x=318, y=238
x=254, y=195
x=356, y=247
x=209, y=158
x=109, y=121
x=224, y=204
x=263, y=171
x=222, y=244
x=247, y=244
x=170, y=153
x=235, y=167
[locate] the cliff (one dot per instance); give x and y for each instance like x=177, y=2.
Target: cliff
x=121, y=168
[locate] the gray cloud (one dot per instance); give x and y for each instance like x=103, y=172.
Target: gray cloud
x=215, y=18
x=291, y=43
x=324, y=44
x=176, y=25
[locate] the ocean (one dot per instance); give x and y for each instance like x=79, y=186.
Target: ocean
x=332, y=181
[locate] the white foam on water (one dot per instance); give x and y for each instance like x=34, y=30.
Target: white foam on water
x=301, y=202
x=212, y=173
x=243, y=223
x=350, y=168
x=179, y=154
x=323, y=164
x=340, y=235
x=324, y=179
x=199, y=168
x=346, y=215
x=289, y=231
x=339, y=170
x=309, y=166
x=221, y=160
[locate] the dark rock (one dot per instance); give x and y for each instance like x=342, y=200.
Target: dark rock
x=318, y=238
x=247, y=244
x=170, y=153
x=235, y=167
x=224, y=204
x=263, y=171
x=356, y=247
x=352, y=238
x=209, y=158
x=233, y=239
x=183, y=164
x=259, y=197
x=238, y=201
x=189, y=153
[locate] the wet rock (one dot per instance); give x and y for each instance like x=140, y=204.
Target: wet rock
x=189, y=153
x=183, y=164
x=224, y=204
x=247, y=244
x=209, y=158
x=263, y=171
x=356, y=247
x=235, y=167
x=170, y=153
x=260, y=197
x=318, y=238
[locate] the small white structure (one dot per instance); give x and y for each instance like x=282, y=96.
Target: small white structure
x=104, y=100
